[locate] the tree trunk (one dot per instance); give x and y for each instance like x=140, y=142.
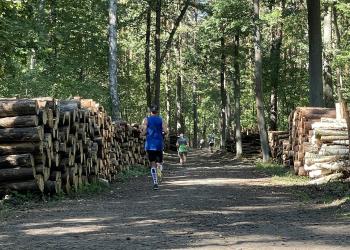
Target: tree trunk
x=112, y=39
x=315, y=53
x=31, y=134
x=195, y=113
x=327, y=54
x=168, y=97
x=223, y=94
x=337, y=45
x=275, y=68
x=147, y=57
x=237, y=94
x=157, y=72
x=258, y=86
x=180, y=123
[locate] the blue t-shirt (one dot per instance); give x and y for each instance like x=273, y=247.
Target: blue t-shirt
x=154, y=135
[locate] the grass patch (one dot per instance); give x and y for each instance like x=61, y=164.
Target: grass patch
x=333, y=193
x=132, y=172
x=280, y=174
x=18, y=201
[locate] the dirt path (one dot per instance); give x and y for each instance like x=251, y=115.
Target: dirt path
x=212, y=203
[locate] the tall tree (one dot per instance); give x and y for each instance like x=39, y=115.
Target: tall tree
x=112, y=41
x=147, y=56
x=157, y=71
x=258, y=84
x=237, y=95
x=275, y=55
x=223, y=92
x=327, y=54
x=195, y=113
x=315, y=53
x=160, y=56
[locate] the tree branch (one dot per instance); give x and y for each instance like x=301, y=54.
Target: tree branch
x=173, y=31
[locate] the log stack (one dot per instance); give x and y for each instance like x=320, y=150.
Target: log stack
x=48, y=145
x=278, y=142
x=250, y=144
x=22, y=140
x=300, y=134
x=329, y=158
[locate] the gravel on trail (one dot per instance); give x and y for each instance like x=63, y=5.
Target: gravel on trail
x=213, y=202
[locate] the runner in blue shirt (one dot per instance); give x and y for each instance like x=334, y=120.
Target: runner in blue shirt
x=154, y=129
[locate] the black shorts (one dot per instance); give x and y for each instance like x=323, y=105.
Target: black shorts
x=156, y=156
x=211, y=144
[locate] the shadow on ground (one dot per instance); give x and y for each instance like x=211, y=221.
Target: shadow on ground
x=213, y=202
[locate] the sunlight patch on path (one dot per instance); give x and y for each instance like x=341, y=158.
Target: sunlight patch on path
x=218, y=182
x=64, y=230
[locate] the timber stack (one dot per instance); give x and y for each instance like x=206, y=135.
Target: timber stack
x=300, y=134
x=250, y=144
x=50, y=145
x=278, y=142
x=330, y=158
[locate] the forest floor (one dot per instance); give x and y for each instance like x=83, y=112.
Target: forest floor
x=214, y=202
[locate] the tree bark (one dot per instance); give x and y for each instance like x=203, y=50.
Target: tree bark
x=157, y=71
x=258, y=85
x=195, y=113
x=31, y=134
x=275, y=53
x=147, y=57
x=237, y=95
x=315, y=53
x=18, y=107
x=19, y=121
x=112, y=40
x=180, y=122
x=327, y=55
x=12, y=161
x=338, y=70
x=223, y=93
x=168, y=97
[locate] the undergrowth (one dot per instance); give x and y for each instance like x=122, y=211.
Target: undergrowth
x=280, y=174
x=132, y=172
x=333, y=193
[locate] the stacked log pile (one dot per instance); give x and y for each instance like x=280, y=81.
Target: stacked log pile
x=278, y=141
x=300, y=134
x=49, y=145
x=329, y=158
x=250, y=144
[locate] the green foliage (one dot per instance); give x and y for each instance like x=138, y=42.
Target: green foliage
x=132, y=172
x=280, y=174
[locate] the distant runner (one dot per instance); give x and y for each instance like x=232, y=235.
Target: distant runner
x=211, y=141
x=182, y=145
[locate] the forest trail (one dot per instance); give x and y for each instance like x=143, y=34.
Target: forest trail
x=212, y=203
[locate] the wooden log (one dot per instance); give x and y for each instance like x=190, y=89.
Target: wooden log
x=330, y=132
x=333, y=150
x=44, y=171
x=36, y=185
x=326, y=179
x=329, y=125
x=16, y=174
x=18, y=107
x=32, y=134
x=19, y=121
x=53, y=187
x=338, y=165
x=13, y=161
x=21, y=147
x=319, y=172
x=324, y=159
